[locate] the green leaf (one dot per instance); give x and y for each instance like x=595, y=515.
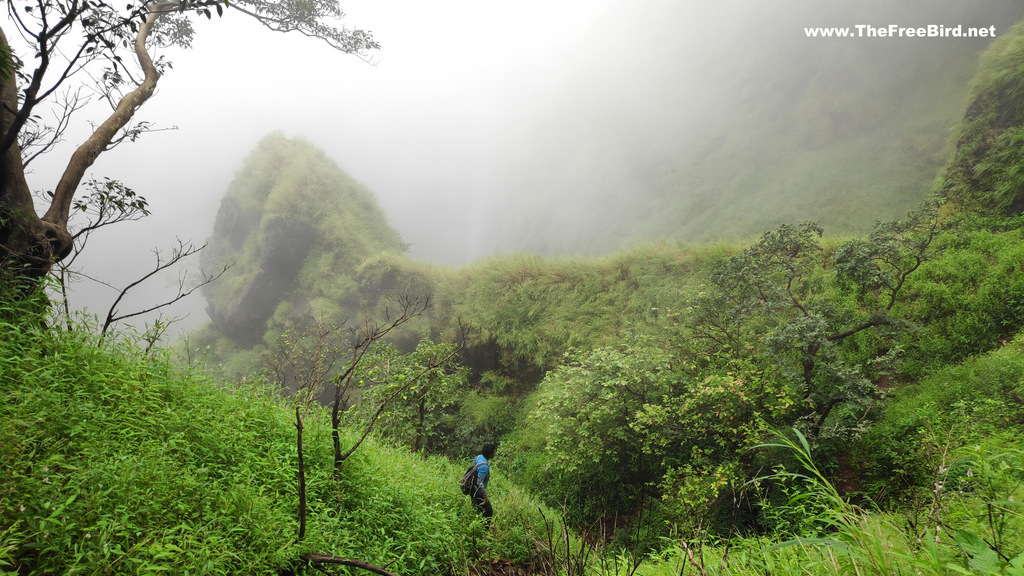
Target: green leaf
x=1016, y=566
x=980, y=556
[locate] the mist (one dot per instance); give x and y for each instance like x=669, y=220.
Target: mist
x=545, y=127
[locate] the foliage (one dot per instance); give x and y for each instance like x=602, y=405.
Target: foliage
x=585, y=408
x=993, y=542
x=422, y=413
x=108, y=203
x=979, y=399
x=786, y=301
x=615, y=431
x=702, y=432
x=121, y=460
x=838, y=538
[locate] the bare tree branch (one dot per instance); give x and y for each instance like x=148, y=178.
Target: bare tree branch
x=370, y=333
x=184, y=250
x=42, y=137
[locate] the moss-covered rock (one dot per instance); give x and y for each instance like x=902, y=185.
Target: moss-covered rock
x=987, y=172
x=294, y=227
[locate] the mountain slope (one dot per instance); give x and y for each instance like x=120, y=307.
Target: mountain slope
x=743, y=124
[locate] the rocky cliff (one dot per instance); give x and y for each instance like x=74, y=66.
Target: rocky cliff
x=295, y=228
x=987, y=171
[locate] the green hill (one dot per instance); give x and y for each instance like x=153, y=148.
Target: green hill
x=291, y=223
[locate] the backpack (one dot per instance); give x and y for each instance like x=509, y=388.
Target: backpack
x=468, y=482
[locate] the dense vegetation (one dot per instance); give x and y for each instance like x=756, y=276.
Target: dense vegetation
x=796, y=403
x=117, y=462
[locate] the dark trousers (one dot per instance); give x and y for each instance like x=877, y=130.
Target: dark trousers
x=484, y=508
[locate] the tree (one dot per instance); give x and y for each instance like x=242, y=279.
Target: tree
x=418, y=412
x=631, y=436
x=785, y=298
x=586, y=411
x=72, y=40
x=308, y=361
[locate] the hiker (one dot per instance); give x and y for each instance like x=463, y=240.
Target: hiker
x=483, y=475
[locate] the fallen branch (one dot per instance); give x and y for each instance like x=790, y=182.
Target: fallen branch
x=318, y=559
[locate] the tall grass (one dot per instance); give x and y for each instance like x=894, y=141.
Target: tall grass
x=978, y=527
x=118, y=462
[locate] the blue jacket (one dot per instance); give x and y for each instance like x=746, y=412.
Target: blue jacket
x=483, y=475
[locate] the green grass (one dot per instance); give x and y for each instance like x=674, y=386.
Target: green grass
x=119, y=462
x=966, y=300
x=981, y=519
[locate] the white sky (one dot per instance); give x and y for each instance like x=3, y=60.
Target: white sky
x=449, y=75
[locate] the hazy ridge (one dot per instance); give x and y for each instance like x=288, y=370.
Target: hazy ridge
x=737, y=125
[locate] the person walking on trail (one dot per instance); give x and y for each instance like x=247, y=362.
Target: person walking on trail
x=483, y=476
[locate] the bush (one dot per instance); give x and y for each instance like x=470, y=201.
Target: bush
x=978, y=401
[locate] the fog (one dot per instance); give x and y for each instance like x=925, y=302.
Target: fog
x=470, y=109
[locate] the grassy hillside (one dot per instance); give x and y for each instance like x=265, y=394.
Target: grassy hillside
x=118, y=461
x=986, y=173
x=535, y=309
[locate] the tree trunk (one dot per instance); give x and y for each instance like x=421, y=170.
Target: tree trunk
x=29, y=244
x=816, y=427
x=418, y=440
x=336, y=429
x=301, y=475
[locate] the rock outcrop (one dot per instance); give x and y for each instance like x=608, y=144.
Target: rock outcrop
x=987, y=171
x=294, y=228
